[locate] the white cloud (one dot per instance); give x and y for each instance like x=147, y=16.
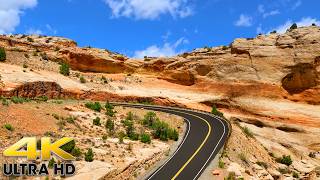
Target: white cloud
x=166, y=50
x=306, y=21
x=150, y=9
x=48, y=30
x=271, y=13
x=244, y=20
x=265, y=14
x=10, y=11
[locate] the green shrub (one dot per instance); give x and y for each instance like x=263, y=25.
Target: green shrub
x=247, y=131
x=65, y=69
x=82, y=80
x=109, y=108
x=216, y=112
x=3, y=55
x=104, y=137
x=76, y=152
x=96, y=121
x=221, y=164
x=8, y=127
x=69, y=146
x=231, y=176
x=51, y=163
x=145, y=138
x=149, y=119
x=285, y=160
x=295, y=174
x=121, y=135
x=283, y=170
x=25, y=65
x=110, y=125
x=243, y=157
x=19, y=100
x=173, y=134
x=43, y=98
x=5, y=102
x=88, y=156
x=94, y=106
x=129, y=116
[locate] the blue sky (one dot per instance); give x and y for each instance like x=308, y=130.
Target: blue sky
x=154, y=27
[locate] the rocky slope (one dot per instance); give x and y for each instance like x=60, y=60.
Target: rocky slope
x=270, y=84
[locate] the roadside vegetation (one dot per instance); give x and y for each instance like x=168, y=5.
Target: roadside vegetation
x=3, y=56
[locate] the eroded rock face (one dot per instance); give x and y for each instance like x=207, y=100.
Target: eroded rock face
x=303, y=76
x=35, y=89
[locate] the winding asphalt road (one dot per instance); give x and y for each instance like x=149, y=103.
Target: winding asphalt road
x=205, y=136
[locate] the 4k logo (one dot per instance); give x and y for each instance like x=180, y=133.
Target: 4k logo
x=46, y=149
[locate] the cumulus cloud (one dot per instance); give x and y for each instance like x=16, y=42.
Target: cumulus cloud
x=150, y=9
x=166, y=50
x=306, y=21
x=10, y=11
x=244, y=21
x=48, y=30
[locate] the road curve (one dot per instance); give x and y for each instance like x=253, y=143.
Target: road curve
x=205, y=136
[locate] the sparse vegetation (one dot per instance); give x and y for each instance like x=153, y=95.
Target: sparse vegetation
x=3, y=55
x=96, y=121
x=69, y=146
x=109, y=108
x=224, y=47
x=65, y=69
x=231, y=176
x=9, y=127
x=145, y=138
x=76, y=152
x=88, y=156
x=273, y=32
x=70, y=119
x=312, y=154
x=25, y=65
x=82, y=80
x=110, y=125
x=283, y=170
x=221, y=164
x=247, y=132
x=285, y=160
x=96, y=106
x=29, y=39
x=295, y=174
x=19, y=100
x=42, y=98
x=121, y=135
x=5, y=102
x=44, y=56
x=216, y=112
x=243, y=157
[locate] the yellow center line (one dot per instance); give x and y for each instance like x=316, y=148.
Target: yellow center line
x=199, y=148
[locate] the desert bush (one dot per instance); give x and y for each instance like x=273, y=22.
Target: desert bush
x=44, y=56
x=82, y=80
x=295, y=174
x=109, y=108
x=70, y=119
x=312, y=154
x=8, y=127
x=5, y=102
x=121, y=135
x=145, y=138
x=65, y=69
x=19, y=100
x=173, y=134
x=110, y=125
x=88, y=156
x=149, y=119
x=3, y=55
x=273, y=32
x=96, y=106
x=231, y=176
x=283, y=170
x=221, y=164
x=43, y=98
x=76, y=152
x=216, y=112
x=247, y=132
x=243, y=157
x=96, y=121
x=224, y=47
x=285, y=160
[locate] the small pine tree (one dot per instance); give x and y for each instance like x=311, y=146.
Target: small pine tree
x=65, y=69
x=293, y=26
x=216, y=112
x=3, y=56
x=89, y=155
